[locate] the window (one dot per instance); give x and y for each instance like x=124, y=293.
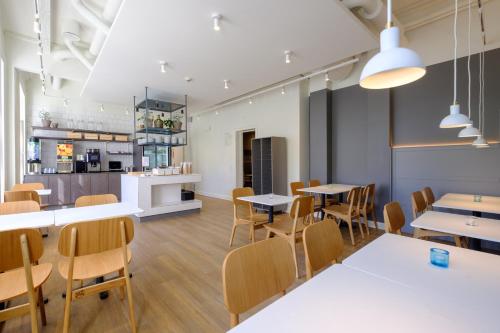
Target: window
x=22, y=130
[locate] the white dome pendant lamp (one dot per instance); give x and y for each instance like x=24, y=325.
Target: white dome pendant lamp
x=455, y=118
x=481, y=142
x=469, y=131
x=393, y=66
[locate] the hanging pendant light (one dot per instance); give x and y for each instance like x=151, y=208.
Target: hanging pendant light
x=481, y=142
x=469, y=130
x=455, y=118
x=393, y=66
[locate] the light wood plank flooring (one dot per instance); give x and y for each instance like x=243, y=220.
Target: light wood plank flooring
x=176, y=266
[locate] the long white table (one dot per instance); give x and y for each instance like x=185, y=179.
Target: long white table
x=324, y=190
x=466, y=202
x=44, y=192
x=93, y=213
x=270, y=201
x=27, y=220
x=455, y=224
x=471, y=279
x=341, y=299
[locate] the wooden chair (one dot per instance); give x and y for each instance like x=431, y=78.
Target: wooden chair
x=255, y=272
x=348, y=212
x=323, y=245
x=394, y=218
x=418, y=204
x=21, y=274
x=429, y=197
x=16, y=207
x=94, y=200
x=295, y=186
x=93, y=249
x=367, y=206
x=31, y=187
x=290, y=226
x=245, y=214
x=10, y=196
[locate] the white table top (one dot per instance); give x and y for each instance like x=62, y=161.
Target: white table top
x=487, y=229
x=92, y=213
x=45, y=191
x=269, y=199
x=472, y=277
x=26, y=220
x=328, y=189
x=466, y=202
x=341, y=299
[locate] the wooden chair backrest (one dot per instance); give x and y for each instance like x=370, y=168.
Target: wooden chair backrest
x=94, y=200
x=428, y=196
x=323, y=243
x=394, y=217
x=11, y=256
x=28, y=187
x=353, y=198
x=255, y=272
x=302, y=211
x=368, y=196
x=16, y=207
x=418, y=203
x=294, y=186
x=95, y=236
x=241, y=207
x=10, y=196
x=314, y=183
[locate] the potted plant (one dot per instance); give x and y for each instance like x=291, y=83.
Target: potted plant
x=140, y=119
x=169, y=124
x=44, y=116
x=177, y=122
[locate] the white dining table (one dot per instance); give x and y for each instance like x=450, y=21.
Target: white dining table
x=328, y=189
x=26, y=220
x=472, y=278
x=93, y=213
x=44, y=192
x=465, y=202
x=342, y=299
x=460, y=225
x=270, y=201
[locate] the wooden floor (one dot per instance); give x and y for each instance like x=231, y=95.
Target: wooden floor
x=176, y=266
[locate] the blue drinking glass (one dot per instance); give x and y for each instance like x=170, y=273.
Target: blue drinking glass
x=440, y=257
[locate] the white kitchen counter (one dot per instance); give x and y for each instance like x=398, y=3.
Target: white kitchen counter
x=158, y=194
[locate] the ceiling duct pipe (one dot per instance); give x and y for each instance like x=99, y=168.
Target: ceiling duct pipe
x=72, y=34
x=90, y=16
x=56, y=82
x=62, y=54
x=371, y=10
x=109, y=14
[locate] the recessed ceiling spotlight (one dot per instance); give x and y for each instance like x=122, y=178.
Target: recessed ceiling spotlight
x=36, y=25
x=163, y=66
x=282, y=90
x=216, y=18
x=188, y=79
x=287, y=57
x=66, y=102
x=216, y=113
x=250, y=101
x=102, y=108
x=327, y=77
x=226, y=84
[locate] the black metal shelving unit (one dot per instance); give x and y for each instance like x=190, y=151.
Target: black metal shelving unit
x=151, y=107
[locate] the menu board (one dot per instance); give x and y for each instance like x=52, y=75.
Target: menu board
x=64, y=151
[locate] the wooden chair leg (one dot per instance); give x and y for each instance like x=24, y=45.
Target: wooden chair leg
x=349, y=224
x=67, y=306
x=269, y=234
x=42, y=306
x=365, y=218
x=361, y=227
x=374, y=219
x=127, y=278
x=122, y=288
x=232, y=235
x=292, y=244
x=252, y=233
x=234, y=319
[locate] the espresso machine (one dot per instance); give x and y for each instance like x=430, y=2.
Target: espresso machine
x=93, y=159
x=34, y=161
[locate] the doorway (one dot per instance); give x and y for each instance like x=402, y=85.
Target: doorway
x=244, y=157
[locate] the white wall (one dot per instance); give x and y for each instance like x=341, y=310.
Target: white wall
x=212, y=144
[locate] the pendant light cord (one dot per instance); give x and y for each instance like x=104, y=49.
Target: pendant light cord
x=389, y=13
x=483, y=85
x=480, y=90
x=468, y=63
x=455, y=55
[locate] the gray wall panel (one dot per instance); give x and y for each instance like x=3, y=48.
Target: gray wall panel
x=320, y=127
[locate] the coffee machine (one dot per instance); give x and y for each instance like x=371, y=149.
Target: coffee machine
x=93, y=159
x=34, y=162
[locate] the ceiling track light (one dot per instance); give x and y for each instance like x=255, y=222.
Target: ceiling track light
x=65, y=102
x=393, y=66
x=216, y=18
x=283, y=90
x=102, y=108
x=288, y=57
x=327, y=77
x=250, y=101
x=216, y=113
x=163, y=67
x=226, y=84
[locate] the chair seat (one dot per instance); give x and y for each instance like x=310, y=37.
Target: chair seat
x=256, y=218
x=94, y=265
x=13, y=282
x=283, y=225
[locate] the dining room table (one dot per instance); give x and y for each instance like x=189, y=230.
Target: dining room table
x=269, y=201
x=328, y=189
x=370, y=293
x=31, y=220
x=44, y=192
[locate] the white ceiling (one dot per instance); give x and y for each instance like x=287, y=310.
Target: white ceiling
x=248, y=51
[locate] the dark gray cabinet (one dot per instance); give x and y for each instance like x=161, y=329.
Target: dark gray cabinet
x=80, y=185
x=269, y=165
x=98, y=183
x=61, y=189
x=39, y=179
x=115, y=184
